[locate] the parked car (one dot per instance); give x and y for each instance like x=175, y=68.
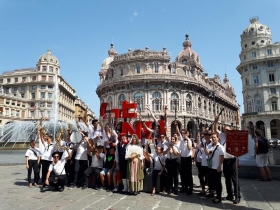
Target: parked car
x=274, y=141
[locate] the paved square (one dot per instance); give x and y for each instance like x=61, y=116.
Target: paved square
x=15, y=194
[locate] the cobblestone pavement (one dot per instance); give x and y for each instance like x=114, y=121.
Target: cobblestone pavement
x=15, y=194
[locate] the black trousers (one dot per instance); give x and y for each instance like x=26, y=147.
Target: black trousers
x=62, y=179
x=33, y=164
x=162, y=179
x=173, y=173
x=216, y=181
x=229, y=169
x=45, y=168
x=70, y=171
x=202, y=174
x=186, y=173
x=80, y=167
x=95, y=172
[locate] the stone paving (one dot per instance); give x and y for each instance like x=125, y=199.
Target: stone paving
x=15, y=194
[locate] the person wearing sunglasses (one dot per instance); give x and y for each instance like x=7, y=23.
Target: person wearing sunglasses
x=58, y=167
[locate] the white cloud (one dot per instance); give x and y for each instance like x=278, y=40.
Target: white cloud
x=135, y=14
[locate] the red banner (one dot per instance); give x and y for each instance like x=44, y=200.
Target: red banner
x=237, y=142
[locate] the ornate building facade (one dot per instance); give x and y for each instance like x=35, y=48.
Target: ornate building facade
x=80, y=109
x=29, y=94
x=149, y=78
x=260, y=73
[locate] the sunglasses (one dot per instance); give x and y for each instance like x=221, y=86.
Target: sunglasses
x=56, y=156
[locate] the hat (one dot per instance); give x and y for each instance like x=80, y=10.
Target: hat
x=120, y=135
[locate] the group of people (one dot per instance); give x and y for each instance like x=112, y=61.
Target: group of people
x=108, y=159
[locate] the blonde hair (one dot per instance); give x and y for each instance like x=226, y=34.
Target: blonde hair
x=137, y=139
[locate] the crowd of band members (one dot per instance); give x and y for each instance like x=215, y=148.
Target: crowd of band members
x=111, y=159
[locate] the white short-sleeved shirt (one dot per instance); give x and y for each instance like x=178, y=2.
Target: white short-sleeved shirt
x=49, y=150
x=94, y=133
x=106, y=138
x=222, y=137
x=170, y=154
x=204, y=156
x=158, y=165
x=58, y=168
x=96, y=163
x=185, y=151
x=198, y=155
x=30, y=153
x=216, y=157
x=81, y=153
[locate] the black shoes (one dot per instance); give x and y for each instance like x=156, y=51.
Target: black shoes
x=176, y=192
x=228, y=198
x=189, y=192
x=236, y=201
x=61, y=189
x=84, y=187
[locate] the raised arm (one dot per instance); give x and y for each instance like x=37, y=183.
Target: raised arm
x=216, y=129
x=153, y=116
x=145, y=126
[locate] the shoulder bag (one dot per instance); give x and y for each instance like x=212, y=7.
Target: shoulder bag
x=209, y=160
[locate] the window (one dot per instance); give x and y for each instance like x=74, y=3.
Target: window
x=49, y=105
x=34, y=78
x=43, y=94
x=50, y=87
x=269, y=52
x=23, y=79
x=44, y=68
x=121, y=99
x=42, y=104
x=138, y=69
x=51, y=69
x=15, y=89
x=249, y=106
x=273, y=90
x=22, y=95
x=156, y=68
x=156, y=95
x=50, y=78
x=255, y=67
x=245, y=70
x=32, y=105
x=184, y=61
x=17, y=113
x=174, y=103
x=173, y=70
x=32, y=115
x=246, y=81
x=38, y=68
x=271, y=78
x=34, y=87
x=121, y=72
x=16, y=79
x=274, y=105
x=256, y=79
x=43, y=77
x=138, y=98
x=1, y=80
x=43, y=87
x=156, y=101
x=254, y=54
x=258, y=103
x=269, y=64
x=22, y=88
x=50, y=95
x=33, y=95
x=8, y=80
x=244, y=57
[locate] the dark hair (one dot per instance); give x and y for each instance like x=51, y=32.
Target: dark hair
x=94, y=121
x=207, y=133
x=55, y=153
x=258, y=132
x=85, y=133
x=49, y=135
x=32, y=141
x=112, y=148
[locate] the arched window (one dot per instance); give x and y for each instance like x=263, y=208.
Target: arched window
x=156, y=101
x=120, y=100
x=156, y=67
x=205, y=106
x=209, y=107
x=174, y=103
x=199, y=105
x=258, y=103
x=189, y=103
x=139, y=99
x=110, y=103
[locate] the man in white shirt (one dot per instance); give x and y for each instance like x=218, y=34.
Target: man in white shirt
x=58, y=167
x=95, y=168
x=229, y=167
x=95, y=132
x=32, y=157
x=186, y=161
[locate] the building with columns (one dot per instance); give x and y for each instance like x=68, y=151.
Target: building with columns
x=80, y=109
x=260, y=73
x=29, y=94
x=150, y=79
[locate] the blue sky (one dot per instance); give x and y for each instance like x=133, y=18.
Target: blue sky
x=79, y=33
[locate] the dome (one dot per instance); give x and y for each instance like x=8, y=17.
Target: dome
x=107, y=61
x=48, y=58
x=255, y=34
x=188, y=54
x=227, y=85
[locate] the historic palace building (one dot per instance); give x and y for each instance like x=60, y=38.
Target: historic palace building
x=29, y=94
x=260, y=73
x=149, y=78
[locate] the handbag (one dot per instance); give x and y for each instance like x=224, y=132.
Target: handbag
x=54, y=178
x=209, y=160
x=165, y=172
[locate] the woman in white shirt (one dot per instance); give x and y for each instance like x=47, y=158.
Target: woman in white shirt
x=135, y=165
x=109, y=135
x=32, y=157
x=215, y=164
x=58, y=167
